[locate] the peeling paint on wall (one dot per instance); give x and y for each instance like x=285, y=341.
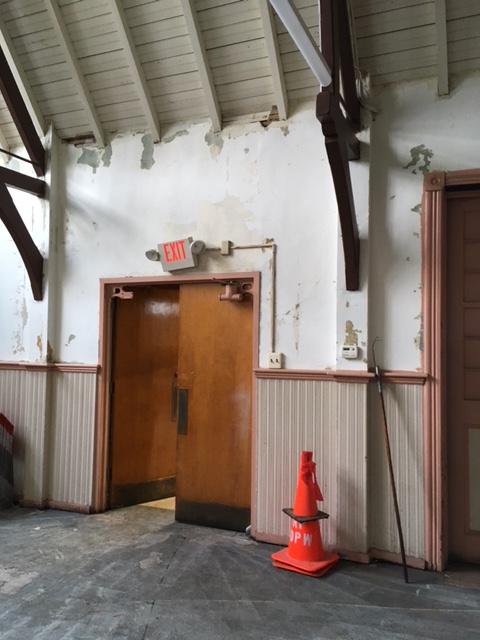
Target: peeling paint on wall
x=416, y=234
x=107, y=155
x=351, y=334
x=40, y=345
x=147, y=161
x=50, y=357
x=285, y=130
x=296, y=324
x=420, y=161
x=18, y=345
x=91, y=158
x=179, y=134
x=215, y=142
x=417, y=208
x=418, y=340
x=70, y=338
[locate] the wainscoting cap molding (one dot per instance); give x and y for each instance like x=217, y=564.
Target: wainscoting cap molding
x=359, y=377
x=64, y=367
x=354, y=377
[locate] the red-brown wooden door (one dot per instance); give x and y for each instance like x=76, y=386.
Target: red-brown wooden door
x=186, y=329
x=143, y=428
x=215, y=374
x=463, y=377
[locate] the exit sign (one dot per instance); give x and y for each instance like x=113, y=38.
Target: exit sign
x=177, y=254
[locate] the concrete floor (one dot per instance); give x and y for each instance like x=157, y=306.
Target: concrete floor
x=135, y=574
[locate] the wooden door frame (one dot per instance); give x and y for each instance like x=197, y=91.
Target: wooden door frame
x=107, y=287
x=436, y=188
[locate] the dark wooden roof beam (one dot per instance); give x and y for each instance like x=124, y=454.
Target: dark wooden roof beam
x=21, y=117
x=31, y=256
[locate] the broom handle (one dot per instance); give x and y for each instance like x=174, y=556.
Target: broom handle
x=390, y=465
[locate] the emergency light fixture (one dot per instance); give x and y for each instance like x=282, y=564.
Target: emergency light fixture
x=291, y=18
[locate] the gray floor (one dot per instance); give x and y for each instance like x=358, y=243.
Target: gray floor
x=135, y=574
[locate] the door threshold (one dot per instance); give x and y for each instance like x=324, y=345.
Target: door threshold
x=466, y=576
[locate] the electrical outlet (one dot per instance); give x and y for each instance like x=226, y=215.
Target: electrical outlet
x=275, y=360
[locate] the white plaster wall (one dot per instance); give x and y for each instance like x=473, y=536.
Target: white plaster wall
x=414, y=127
x=23, y=321
x=246, y=185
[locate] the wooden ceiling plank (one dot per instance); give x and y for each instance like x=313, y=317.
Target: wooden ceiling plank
x=442, y=47
x=4, y=143
x=204, y=70
x=21, y=79
x=74, y=66
x=273, y=52
x=136, y=70
x=21, y=117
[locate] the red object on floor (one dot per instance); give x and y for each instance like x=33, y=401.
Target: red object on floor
x=305, y=553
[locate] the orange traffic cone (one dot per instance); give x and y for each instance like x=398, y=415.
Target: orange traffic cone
x=305, y=553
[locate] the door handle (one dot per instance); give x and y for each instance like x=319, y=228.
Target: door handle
x=182, y=420
x=174, y=406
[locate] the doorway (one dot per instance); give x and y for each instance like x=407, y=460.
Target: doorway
x=451, y=362
x=178, y=396
x=463, y=375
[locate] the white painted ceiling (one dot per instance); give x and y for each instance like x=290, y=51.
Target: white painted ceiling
x=96, y=67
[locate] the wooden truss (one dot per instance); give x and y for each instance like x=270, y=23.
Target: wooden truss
x=338, y=111
x=31, y=256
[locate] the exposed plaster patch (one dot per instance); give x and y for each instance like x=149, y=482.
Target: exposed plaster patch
x=40, y=345
x=215, y=142
x=418, y=340
x=70, y=338
x=296, y=324
x=147, y=161
x=420, y=154
x=285, y=130
x=50, y=357
x=91, y=158
x=107, y=155
x=179, y=134
x=24, y=313
x=351, y=334
x=417, y=208
x=17, y=339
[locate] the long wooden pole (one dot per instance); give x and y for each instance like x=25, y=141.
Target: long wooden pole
x=389, y=460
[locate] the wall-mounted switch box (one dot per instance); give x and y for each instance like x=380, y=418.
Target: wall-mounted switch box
x=275, y=360
x=225, y=247
x=350, y=351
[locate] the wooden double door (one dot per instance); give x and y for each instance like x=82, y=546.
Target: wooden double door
x=463, y=376
x=181, y=402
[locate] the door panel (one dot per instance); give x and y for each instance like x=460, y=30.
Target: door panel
x=215, y=366
x=143, y=429
x=463, y=377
